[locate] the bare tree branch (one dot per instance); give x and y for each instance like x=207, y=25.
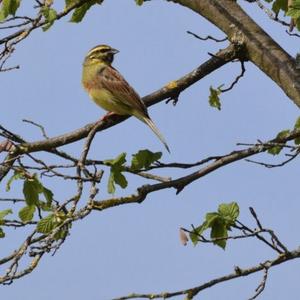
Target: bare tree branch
x=180, y=183
x=239, y=272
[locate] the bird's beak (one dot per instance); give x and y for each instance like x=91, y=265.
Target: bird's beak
x=114, y=51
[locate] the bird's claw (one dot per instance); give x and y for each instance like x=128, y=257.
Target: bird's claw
x=174, y=99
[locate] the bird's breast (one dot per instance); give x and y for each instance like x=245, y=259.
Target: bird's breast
x=107, y=101
x=101, y=97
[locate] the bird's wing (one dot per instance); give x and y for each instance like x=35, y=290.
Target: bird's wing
x=110, y=79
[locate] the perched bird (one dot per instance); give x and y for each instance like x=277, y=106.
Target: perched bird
x=107, y=87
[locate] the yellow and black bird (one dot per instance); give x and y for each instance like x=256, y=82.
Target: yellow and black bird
x=107, y=87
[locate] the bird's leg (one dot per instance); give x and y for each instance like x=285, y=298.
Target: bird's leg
x=106, y=116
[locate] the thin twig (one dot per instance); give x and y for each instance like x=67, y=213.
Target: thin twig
x=268, y=165
x=293, y=34
x=39, y=126
x=243, y=70
x=271, y=14
x=262, y=284
x=208, y=37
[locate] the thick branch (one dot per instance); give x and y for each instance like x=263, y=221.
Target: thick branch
x=262, y=50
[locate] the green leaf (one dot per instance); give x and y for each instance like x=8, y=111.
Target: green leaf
x=293, y=12
x=48, y=195
x=46, y=224
x=294, y=9
x=139, y=2
x=31, y=191
x=2, y=234
x=297, y=126
x=298, y=27
x=210, y=218
x=219, y=230
x=9, y=7
x=120, y=179
x=32, y=188
x=194, y=235
x=62, y=233
x=69, y=3
x=229, y=212
x=116, y=177
x=280, y=5
x=119, y=160
x=297, y=141
x=111, y=188
x=4, y=213
x=17, y=175
x=38, y=185
x=26, y=213
x=50, y=15
x=80, y=11
x=214, y=100
x=277, y=149
x=44, y=206
x=144, y=159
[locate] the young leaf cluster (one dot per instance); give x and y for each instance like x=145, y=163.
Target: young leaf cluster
x=140, y=160
x=277, y=148
x=80, y=12
x=294, y=12
x=219, y=223
x=50, y=16
x=289, y=8
x=52, y=221
x=32, y=190
x=38, y=198
x=214, y=99
x=9, y=8
x=3, y=214
x=116, y=176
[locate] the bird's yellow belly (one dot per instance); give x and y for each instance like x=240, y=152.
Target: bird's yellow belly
x=106, y=100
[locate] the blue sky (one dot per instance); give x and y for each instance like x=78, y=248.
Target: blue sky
x=136, y=248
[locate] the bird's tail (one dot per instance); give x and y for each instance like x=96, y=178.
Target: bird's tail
x=150, y=123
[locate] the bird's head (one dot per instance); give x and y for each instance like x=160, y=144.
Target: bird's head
x=101, y=53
